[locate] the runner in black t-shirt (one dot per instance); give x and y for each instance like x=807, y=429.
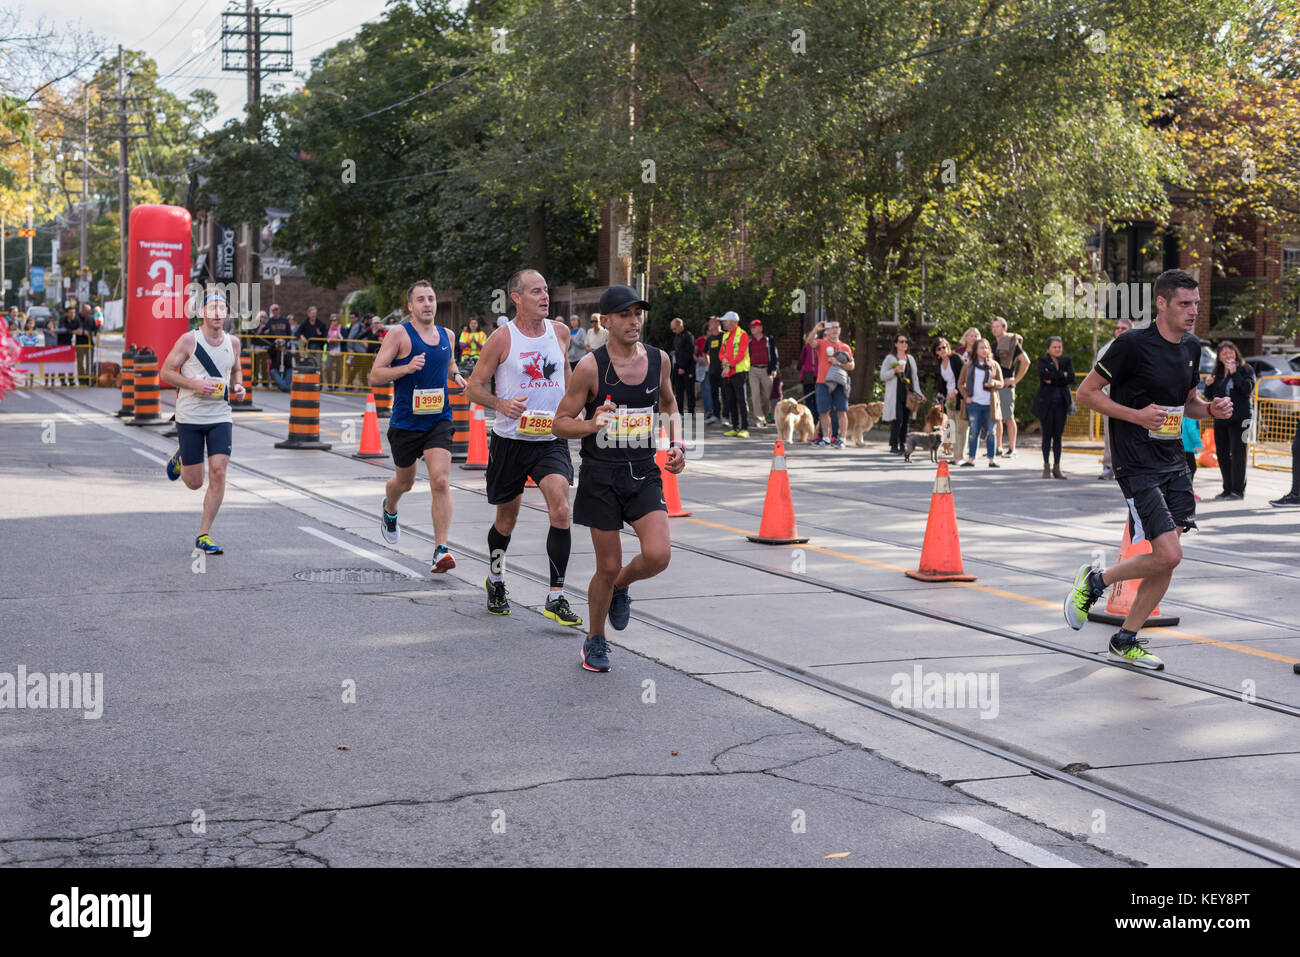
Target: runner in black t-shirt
x=1152, y=376
x=626, y=389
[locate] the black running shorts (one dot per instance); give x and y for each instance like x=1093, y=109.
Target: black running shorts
x=610, y=494
x=216, y=436
x=512, y=461
x=409, y=445
x=1158, y=504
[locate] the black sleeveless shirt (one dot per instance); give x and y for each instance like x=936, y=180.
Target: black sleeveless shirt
x=634, y=437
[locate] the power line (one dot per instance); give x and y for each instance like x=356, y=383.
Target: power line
x=413, y=96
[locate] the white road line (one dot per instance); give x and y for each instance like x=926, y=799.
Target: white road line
x=1008, y=843
x=22, y=393
x=364, y=553
x=150, y=456
x=73, y=419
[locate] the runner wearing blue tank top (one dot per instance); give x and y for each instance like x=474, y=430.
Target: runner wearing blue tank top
x=529, y=358
x=616, y=397
x=419, y=358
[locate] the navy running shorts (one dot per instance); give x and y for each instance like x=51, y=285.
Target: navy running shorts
x=217, y=436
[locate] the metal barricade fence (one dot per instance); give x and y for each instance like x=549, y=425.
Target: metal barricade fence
x=345, y=371
x=1273, y=426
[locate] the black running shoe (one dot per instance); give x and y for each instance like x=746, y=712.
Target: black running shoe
x=1290, y=500
x=388, y=524
x=498, y=603
x=560, y=611
x=620, y=608
x=595, y=654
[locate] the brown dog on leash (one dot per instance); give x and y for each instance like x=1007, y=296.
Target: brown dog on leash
x=862, y=419
x=792, y=417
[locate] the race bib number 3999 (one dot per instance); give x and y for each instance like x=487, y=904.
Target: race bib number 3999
x=427, y=401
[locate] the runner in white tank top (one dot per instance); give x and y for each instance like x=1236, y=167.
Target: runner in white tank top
x=532, y=370
x=528, y=358
x=196, y=408
x=203, y=420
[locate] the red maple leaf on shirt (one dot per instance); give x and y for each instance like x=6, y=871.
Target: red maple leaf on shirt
x=532, y=365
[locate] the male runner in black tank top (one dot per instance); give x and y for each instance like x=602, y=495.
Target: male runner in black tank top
x=621, y=386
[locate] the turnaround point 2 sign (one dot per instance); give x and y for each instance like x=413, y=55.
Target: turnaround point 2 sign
x=158, y=269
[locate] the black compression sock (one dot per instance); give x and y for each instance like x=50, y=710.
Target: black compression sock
x=1095, y=582
x=1124, y=636
x=497, y=545
x=559, y=541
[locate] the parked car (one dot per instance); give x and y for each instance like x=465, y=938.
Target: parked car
x=1287, y=387
x=1275, y=422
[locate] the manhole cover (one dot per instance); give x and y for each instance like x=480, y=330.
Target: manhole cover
x=351, y=576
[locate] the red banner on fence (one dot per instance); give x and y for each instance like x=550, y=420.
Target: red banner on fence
x=33, y=360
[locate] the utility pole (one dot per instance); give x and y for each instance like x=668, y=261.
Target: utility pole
x=83, y=270
x=123, y=180
x=244, y=50
x=133, y=122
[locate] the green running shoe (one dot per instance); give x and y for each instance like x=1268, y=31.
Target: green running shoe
x=205, y=543
x=1131, y=652
x=1082, y=597
x=497, y=602
x=730, y=433
x=742, y=434
x=174, y=466
x=560, y=611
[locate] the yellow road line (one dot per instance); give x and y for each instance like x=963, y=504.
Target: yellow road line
x=1027, y=599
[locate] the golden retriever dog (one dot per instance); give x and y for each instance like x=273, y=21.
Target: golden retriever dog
x=792, y=417
x=862, y=419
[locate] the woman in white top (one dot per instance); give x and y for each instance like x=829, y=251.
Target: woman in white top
x=899, y=367
x=978, y=381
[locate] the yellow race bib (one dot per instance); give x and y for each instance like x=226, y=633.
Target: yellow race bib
x=427, y=401
x=536, y=424
x=631, y=424
x=1172, y=427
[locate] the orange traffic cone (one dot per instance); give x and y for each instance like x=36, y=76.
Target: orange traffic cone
x=476, y=458
x=672, y=497
x=1121, y=593
x=370, y=447
x=778, y=525
x=1208, y=459
x=941, y=550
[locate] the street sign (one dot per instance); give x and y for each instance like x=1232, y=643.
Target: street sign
x=26, y=233
x=9, y=284
x=83, y=289
x=38, y=279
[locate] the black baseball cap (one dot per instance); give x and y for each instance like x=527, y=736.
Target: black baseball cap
x=617, y=298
